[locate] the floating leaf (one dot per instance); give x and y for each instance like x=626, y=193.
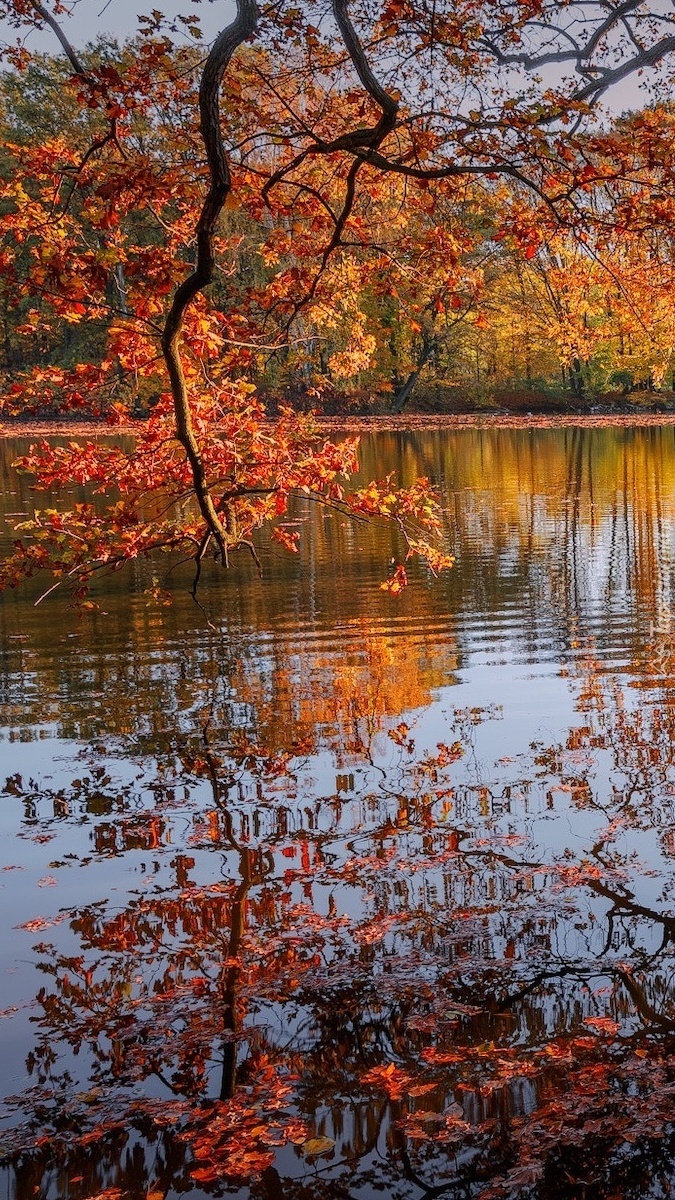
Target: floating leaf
x=316, y=1146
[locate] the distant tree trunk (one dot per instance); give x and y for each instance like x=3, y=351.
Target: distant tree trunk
x=577, y=378
x=402, y=396
x=7, y=341
x=121, y=285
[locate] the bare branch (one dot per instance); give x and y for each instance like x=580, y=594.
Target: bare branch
x=69, y=51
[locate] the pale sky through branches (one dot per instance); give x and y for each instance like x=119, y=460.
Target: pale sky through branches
x=90, y=18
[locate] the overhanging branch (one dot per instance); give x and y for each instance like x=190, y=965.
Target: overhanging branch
x=242, y=28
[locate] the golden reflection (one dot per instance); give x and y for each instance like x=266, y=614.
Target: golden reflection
x=558, y=533
x=314, y=928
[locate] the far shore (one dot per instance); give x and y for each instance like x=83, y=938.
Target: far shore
x=406, y=422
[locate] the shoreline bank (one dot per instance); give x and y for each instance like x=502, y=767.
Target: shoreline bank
x=410, y=422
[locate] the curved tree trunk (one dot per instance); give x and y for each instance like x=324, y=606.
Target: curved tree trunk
x=403, y=395
x=242, y=28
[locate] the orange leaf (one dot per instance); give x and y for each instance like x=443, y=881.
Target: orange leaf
x=397, y=582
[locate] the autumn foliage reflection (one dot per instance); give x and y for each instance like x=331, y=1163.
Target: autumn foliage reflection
x=334, y=926
x=491, y=1009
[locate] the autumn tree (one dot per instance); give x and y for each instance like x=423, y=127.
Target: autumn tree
x=319, y=115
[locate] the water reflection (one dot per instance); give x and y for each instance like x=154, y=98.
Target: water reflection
x=560, y=535
x=353, y=894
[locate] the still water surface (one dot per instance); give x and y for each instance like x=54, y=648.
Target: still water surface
x=340, y=894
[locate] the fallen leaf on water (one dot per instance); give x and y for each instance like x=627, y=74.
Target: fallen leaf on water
x=421, y=1088
x=603, y=1024
x=296, y=1132
x=39, y=923
x=273, y=1137
x=317, y=1145
x=109, y=1194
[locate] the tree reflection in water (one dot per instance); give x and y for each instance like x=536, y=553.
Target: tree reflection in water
x=322, y=956
x=368, y=992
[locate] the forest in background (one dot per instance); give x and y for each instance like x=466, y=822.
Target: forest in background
x=465, y=294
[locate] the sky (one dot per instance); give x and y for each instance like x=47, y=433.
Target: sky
x=120, y=17
x=89, y=18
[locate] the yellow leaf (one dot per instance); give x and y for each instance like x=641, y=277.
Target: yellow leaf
x=317, y=1145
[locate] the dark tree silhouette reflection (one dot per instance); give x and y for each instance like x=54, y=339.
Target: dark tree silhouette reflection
x=323, y=995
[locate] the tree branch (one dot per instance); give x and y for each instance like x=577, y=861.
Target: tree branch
x=242, y=28
x=70, y=53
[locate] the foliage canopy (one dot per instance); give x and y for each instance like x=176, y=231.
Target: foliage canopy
x=315, y=172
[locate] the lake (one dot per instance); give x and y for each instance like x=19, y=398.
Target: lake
x=314, y=891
